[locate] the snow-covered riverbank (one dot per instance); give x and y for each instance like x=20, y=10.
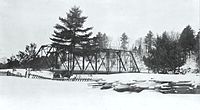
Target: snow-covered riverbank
x=38, y=94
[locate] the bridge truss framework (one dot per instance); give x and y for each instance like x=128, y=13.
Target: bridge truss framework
x=94, y=61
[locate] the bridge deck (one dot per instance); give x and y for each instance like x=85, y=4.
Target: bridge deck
x=88, y=72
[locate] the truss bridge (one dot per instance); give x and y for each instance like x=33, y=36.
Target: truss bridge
x=90, y=61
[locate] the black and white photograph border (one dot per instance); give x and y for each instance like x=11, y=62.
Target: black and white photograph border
x=99, y=55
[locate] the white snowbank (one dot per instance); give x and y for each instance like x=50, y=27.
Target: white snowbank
x=147, y=84
x=43, y=73
x=6, y=70
x=14, y=71
x=30, y=94
x=130, y=77
x=19, y=72
x=190, y=65
x=22, y=72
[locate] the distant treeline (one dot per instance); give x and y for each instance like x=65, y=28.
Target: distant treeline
x=160, y=53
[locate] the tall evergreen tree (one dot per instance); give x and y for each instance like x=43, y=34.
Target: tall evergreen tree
x=187, y=40
x=124, y=41
x=71, y=33
x=197, y=42
x=148, y=41
x=139, y=44
x=102, y=40
x=198, y=49
x=139, y=51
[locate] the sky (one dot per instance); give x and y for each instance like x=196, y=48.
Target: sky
x=31, y=21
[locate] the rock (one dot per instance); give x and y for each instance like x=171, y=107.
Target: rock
x=122, y=88
x=107, y=86
x=197, y=89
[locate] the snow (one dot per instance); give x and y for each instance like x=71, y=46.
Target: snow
x=5, y=70
x=38, y=94
x=43, y=73
x=140, y=63
x=22, y=72
x=191, y=65
x=121, y=86
x=146, y=84
x=130, y=77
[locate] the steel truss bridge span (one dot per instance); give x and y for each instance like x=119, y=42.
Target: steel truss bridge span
x=92, y=61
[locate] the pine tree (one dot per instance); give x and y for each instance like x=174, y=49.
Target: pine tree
x=71, y=33
x=102, y=40
x=198, y=49
x=139, y=50
x=139, y=44
x=124, y=41
x=148, y=41
x=197, y=43
x=187, y=40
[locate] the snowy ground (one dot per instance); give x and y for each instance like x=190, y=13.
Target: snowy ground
x=38, y=94
x=128, y=77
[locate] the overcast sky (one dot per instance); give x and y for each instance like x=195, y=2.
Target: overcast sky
x=26, y=21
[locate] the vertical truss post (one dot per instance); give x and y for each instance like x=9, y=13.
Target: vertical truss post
x=130, y=63
x=56, y=58
x=68, y=62
x=96, y=62
x=119, y=56
x=83, y=64
x=73, y=63
x=108, y=61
